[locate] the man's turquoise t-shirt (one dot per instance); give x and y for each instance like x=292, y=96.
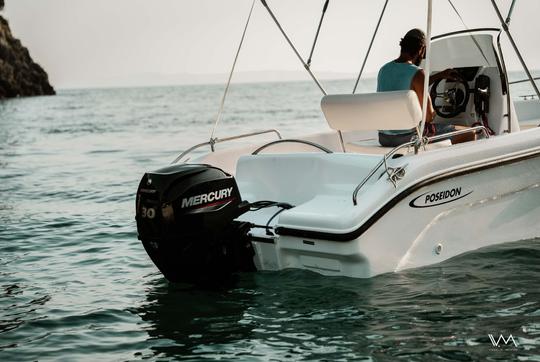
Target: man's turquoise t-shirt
x=394, y=76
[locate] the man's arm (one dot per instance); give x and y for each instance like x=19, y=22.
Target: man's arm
x=450, y=74
x=417, y=85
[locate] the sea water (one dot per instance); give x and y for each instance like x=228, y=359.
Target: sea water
x=77, y=285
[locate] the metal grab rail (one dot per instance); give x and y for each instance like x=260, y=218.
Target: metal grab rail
x=309, y=143
x=409, y=144
x=213, y=141
x=523, y=80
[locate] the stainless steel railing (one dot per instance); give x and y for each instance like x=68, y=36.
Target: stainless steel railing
x=309, y=143
x=391, y=172
x=213, y=141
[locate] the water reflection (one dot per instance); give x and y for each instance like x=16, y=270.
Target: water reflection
x=184, y=317
x=440, y=312
x=284, y=315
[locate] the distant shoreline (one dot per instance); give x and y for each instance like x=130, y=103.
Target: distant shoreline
x=177, y=80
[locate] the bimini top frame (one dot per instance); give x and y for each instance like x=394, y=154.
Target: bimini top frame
x=505, y=26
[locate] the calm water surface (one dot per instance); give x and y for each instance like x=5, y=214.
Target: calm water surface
x=76, y=284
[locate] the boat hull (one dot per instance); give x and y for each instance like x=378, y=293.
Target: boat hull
x=450, y=202
x=428, y=224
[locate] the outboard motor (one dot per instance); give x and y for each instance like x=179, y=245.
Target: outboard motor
x=185, y=219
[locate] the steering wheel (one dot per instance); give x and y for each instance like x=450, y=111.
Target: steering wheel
x=450, y=97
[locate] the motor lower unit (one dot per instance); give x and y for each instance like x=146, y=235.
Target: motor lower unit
x=185, y=219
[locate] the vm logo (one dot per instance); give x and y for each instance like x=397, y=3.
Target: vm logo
x=501, y=340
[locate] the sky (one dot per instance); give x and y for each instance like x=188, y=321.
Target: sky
x=83, y=43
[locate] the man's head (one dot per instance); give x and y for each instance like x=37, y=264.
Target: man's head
x=414, y=45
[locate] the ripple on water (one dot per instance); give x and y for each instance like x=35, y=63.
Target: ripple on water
x=76, y=284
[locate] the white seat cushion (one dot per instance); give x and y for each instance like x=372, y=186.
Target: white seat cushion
x=372, y=111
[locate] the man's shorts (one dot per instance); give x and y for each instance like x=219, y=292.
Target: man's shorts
x=431, y=129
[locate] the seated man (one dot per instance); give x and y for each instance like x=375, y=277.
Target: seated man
x=404, y=73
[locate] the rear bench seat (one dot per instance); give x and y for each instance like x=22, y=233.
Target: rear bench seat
x=296, y=178
x=319, y=185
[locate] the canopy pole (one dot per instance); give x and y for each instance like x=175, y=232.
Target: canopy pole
x=222, y=104
x=507, y=31
x=504, y=79
x=508, y=17
x=369, y=48
x=427, y=69
x=292, y=46
x=317, y=33
x=471, y=35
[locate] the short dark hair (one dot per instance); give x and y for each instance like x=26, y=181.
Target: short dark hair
x=411, y=45
x=413, y=41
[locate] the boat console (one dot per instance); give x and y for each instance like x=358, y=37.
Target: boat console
x=480, y=95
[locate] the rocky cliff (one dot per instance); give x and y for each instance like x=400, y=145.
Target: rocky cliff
x=19, y=75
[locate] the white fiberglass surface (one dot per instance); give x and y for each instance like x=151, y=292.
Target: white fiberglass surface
x=298, y=178
x=463, y=51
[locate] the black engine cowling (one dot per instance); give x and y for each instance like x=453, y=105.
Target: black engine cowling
x=185, y=219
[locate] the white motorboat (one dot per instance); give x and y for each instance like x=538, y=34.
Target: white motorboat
x=337, y=203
